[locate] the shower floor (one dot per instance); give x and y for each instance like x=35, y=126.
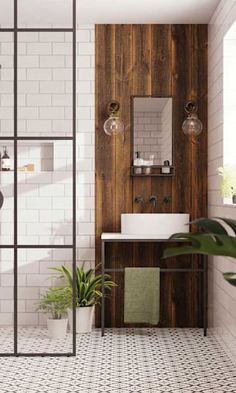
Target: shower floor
x=125, y=360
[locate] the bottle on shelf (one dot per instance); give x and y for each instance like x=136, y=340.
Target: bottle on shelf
x=5, y=161
x=138, y=161
x=166, y=168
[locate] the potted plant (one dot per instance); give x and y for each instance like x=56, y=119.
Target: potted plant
x=228, y=184
x=215, y=240
x=55, y=301
x=88, y=294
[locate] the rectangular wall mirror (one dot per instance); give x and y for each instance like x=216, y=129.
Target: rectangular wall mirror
x=152, y=131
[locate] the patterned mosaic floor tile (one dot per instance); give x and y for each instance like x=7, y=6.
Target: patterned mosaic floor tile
x=125, y=360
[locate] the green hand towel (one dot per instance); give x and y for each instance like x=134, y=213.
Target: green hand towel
x=142, y=295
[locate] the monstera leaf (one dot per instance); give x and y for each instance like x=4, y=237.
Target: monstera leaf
x=231, y=278
x=213, y=240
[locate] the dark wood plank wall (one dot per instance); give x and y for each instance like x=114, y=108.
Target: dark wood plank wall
x=168, y=60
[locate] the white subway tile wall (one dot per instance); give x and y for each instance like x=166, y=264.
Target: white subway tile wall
x=45, y=195
x=148, y=135
x=222, y=296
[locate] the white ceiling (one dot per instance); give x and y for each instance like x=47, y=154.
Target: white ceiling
x=146, y=11
x=40, y=13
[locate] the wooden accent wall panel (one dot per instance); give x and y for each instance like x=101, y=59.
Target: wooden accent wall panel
x=168, y=60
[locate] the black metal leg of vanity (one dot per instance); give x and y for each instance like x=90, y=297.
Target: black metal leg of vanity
x=205, y=294
x=103, y=289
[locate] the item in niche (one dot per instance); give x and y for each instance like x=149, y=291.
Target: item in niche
x=30, y=167
x=5, y=161
x=26, y=168
x=166, y=168
x=22, y=168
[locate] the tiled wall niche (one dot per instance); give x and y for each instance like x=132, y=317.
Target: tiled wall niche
x=39, y=154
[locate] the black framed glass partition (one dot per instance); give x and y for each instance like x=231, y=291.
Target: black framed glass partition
x=38, y=170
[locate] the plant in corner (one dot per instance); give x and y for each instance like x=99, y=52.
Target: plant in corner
x=215, y=240
x=88, y=294
x=228, y=184
x=55, y=301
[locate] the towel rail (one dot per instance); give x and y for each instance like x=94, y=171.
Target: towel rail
x=203, y=270
x=162, y=270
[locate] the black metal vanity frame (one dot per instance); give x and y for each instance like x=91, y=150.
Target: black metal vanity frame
x=15, y=138
x=203, y=270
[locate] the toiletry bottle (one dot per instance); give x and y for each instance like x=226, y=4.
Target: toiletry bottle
x=147, y=165
x=6, y=161
x=138, y=161
x=166, y=168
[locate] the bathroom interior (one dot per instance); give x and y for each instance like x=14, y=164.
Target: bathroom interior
x=115, y=120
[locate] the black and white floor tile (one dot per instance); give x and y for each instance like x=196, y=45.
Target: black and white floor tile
x=125, y=360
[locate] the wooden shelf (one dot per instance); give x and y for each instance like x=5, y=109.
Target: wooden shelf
x=155, y=171
x=152, y=174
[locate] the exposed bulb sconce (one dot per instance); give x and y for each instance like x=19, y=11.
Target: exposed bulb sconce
x=113, y=125
x=192, y=125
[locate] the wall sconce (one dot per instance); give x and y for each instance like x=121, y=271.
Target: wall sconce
x=192, y=125
x=113, y=125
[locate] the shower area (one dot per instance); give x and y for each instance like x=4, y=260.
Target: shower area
x=38, y=168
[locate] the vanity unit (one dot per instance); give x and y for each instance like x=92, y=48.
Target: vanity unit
x=155, y=228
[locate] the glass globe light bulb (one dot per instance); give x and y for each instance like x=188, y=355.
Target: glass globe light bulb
x=192, y=125
x=113, y=125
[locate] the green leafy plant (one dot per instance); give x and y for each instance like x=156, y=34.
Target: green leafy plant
x=55, y=302
x=88, y=285
x=228, y=184
x=214, y=240
x=231, y=278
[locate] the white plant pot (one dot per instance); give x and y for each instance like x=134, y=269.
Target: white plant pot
x=57, y=328
x=84, y=319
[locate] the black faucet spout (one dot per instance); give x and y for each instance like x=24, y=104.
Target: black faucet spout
x=153, y=200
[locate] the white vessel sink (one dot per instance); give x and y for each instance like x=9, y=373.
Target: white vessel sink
x=163, y=224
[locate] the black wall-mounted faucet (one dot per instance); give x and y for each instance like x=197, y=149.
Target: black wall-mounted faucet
x=153, y=200
x=138, y=199
x=166, y=199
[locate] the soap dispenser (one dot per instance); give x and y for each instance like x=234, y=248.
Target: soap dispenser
x=166, y=168
x=138, y=162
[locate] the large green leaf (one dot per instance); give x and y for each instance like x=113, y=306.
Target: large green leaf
x=231, y=223
x=203, y=243
x=230, y=277
x=215, y=242
x=210, y=225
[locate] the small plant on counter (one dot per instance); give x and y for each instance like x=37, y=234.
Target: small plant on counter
x=228, y=184
x=55, y=301
x=88, y=293
x=215, y=240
